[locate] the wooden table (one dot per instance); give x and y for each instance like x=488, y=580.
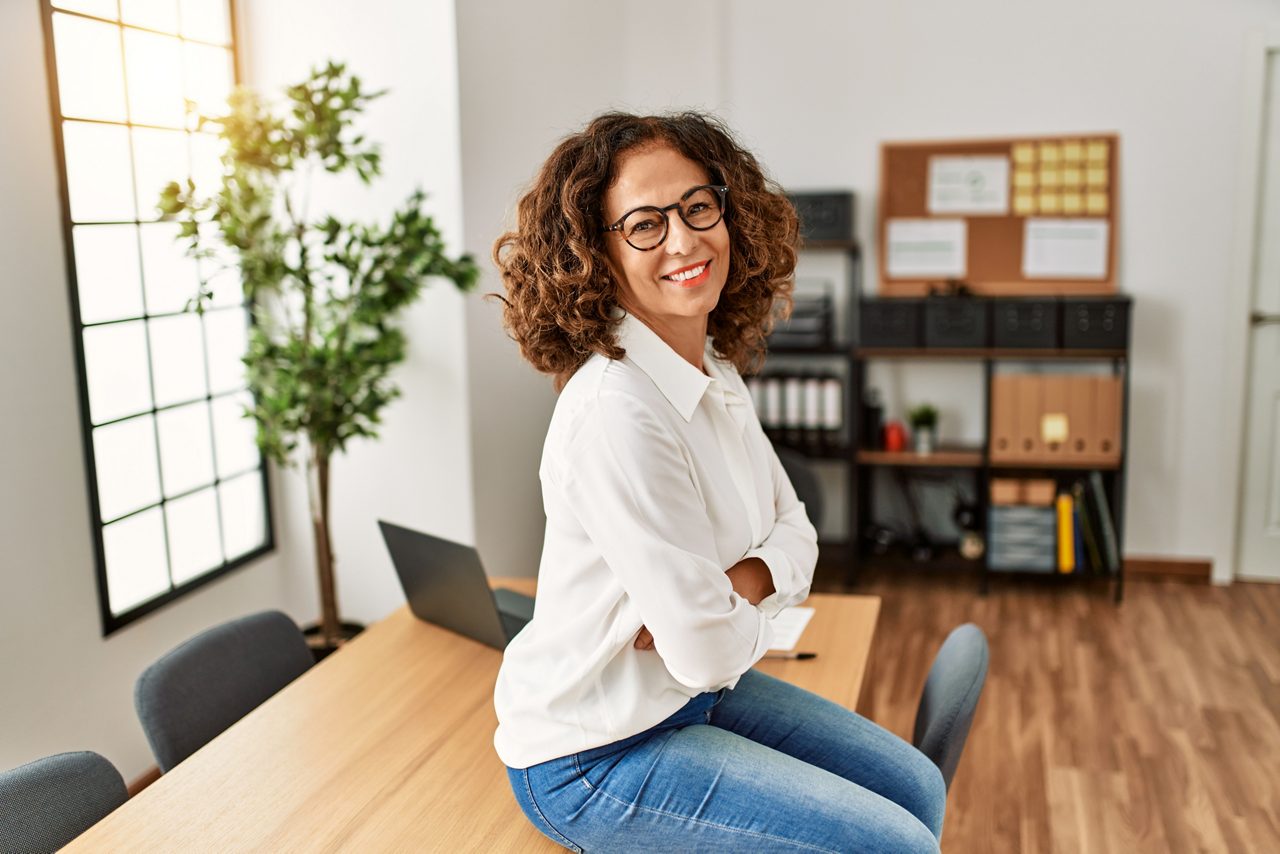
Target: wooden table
x=387, y=745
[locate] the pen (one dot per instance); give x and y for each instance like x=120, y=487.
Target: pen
x=799, y=656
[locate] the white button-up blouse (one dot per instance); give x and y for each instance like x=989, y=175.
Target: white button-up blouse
x=656, y=479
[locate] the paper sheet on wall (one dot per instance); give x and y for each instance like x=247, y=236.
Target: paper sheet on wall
x=788, y=625
x=969, y=185
x=926, y=248
x=1065, y=249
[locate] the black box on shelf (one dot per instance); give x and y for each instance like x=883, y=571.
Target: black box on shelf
x=1095, y=323
x=1025, y=323
x=824, y=216
x=956, y=322
x=809, y=327
x=890, y=322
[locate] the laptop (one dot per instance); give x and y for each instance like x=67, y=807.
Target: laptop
x=446, y=585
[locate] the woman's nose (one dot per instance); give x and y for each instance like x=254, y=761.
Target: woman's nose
x=681, y=239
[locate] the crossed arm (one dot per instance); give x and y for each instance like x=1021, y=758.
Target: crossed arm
x=751, y=580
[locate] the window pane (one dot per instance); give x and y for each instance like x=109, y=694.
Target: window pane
x=206, y=163
x=194, y=546
x=100, y=8
x=227, y=341
x=99, y=175
x=221, y=273
x=172, y=279
x=115, y=360
x=125, y=456
x=156, y=14
x=186, y=453
x=244, y=517
x=234, y=435
x=207, y=20
x=154, y=67
x=159, y=156
x=209, y=78
x=107, y=272
x=90, y=71
x=177, y=359
x=137, y=569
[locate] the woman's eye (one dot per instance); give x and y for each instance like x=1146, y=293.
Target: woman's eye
x=700, y=207
x=641, y=226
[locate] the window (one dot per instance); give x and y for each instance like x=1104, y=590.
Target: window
x=176, y=483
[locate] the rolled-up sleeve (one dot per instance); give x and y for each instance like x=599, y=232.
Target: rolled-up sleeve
x=790, y=549
x=630, y=487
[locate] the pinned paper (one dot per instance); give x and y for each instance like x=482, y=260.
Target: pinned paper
x=1072, y=203
x=1024, y=179
x=1095, y=203
x=968, y=185
x=1050, y=203
x=1050, y=153
x=1050, y=177
x=1071, y=177
x=1096, y=176
x=1065, y=249
x=1072, y=151
x=1024, y=204
x=1096, y=151
x=926, y=248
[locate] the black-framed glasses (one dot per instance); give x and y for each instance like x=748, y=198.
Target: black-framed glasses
x=645, y=228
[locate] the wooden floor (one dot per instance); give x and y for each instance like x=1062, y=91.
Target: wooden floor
x=1151, y=726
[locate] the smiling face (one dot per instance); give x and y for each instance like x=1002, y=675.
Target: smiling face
x=674, y=287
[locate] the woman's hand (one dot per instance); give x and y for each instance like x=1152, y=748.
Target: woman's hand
x=751, y=580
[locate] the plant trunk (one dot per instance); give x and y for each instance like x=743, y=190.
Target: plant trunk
x=318, y=491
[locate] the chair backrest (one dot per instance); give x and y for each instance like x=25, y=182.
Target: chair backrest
x=47, y=803
x=208, y=683
x=950, y=697
x=805, y=482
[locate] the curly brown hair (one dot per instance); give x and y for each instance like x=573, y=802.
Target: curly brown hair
x=560, y=288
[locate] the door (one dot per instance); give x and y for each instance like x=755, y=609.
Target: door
x=1260, y=506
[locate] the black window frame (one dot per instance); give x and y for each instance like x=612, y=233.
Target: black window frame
x=112, y=622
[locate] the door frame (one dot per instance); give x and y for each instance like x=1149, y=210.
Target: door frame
x=1258, y=45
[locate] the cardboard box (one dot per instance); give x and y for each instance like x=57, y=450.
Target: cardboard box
x=1006, y=491
x=1108, y=400
x=1028, y=394
x=1003, y=407
x=1039, y=492
x=1083, y=442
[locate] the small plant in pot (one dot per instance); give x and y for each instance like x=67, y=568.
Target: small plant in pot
x=324, y=292
x=924, y=428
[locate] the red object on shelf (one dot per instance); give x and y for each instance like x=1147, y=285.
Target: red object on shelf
x=895, y=436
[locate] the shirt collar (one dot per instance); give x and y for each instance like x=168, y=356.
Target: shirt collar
x=681, y=383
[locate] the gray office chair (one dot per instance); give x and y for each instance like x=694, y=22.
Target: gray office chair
x=47, y=803
x=213, y=680
x=806, y=484
x=950, y=698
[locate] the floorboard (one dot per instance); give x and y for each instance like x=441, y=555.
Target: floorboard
x=1152, y=726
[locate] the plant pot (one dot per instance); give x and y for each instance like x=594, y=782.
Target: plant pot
x=924, y=439
x=322, y=649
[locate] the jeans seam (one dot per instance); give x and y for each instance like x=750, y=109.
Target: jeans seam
x=703, y=821
x=562, y=838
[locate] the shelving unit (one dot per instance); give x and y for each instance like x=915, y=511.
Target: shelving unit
x=977, y=459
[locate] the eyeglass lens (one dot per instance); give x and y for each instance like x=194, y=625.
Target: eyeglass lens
x=645, y=228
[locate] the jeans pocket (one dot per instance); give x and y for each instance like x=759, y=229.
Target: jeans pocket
x=523, y=791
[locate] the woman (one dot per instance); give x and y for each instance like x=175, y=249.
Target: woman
x=643, y=273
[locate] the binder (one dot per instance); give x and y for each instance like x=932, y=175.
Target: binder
x=1110, y=546
x=1066, y=535
x=1054, y=434
x=1087, y=517
x=1027, y=393
x=1082, y=446
x=1003, y=408
x=1107, y=403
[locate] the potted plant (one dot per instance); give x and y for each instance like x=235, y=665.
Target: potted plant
x=324, y=292
x=924, y=427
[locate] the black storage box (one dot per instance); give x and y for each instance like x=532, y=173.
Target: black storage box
x=809, y=326
x=890, y=323
x=824, y=216
x=1025, y=323
x=1095, y=323
x=956, y=322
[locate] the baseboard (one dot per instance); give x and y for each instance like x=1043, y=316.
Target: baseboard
x=1195, y=570
x=146, y=779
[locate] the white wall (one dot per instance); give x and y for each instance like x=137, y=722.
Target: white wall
x=65, y=687
x=418, y=473
x=814, y=88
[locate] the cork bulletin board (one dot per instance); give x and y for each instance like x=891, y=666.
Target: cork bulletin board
x=1018, y=216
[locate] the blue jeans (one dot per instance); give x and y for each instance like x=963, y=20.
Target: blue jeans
x=764, y=767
